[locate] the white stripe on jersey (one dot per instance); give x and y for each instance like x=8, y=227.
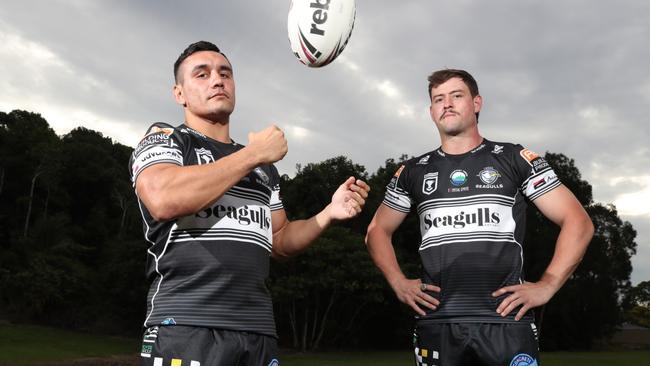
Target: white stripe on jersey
x=477, y=218
x=237, y=217
x=154, y=155
x=540, y=183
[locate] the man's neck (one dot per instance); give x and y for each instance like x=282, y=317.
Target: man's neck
x=219, y=131
x=460, y=144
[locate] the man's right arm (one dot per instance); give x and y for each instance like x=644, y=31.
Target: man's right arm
x=380, y=247
x=170, y=191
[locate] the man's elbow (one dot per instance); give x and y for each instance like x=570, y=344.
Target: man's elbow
x=588, y=228
x=161, y=210
x=370, y=233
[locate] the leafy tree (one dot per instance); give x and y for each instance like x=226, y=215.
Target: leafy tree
x=636, y=304
x=69, y=224
x=328, y=291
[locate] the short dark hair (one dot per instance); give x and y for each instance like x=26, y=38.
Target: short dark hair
x=194, y=48
x=441, y=76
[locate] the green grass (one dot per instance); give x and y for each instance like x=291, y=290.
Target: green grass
x=24, y=344
x=404, y=358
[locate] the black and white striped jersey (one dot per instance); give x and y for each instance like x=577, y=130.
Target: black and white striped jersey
x=472, y=211
x=209, y=269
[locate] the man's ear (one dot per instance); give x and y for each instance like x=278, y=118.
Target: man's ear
x=178, y=95
x=478, y=103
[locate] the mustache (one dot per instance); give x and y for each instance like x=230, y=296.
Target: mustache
x=448, y=112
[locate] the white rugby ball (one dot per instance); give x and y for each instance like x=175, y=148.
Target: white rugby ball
x=319, y=30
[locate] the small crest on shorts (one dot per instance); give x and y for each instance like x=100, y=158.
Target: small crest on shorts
x=523, y=359
x=430, y=183
x=274, y=362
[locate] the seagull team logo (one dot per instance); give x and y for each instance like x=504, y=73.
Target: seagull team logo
x=430, y=183
x=489, y=175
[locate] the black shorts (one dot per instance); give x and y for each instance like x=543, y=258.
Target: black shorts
x=195, y=346
x=487, y=344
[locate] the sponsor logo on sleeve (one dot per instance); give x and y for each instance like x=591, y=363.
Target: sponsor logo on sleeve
x=528, y=155
x=498, y=149
x=165, y=130
x=393, y=182
x=156, y=153
x=430, y=183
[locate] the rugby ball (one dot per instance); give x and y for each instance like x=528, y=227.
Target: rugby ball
x=319, y=30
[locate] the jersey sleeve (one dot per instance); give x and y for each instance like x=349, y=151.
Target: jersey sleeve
x=276, y=199
x=161, y=144
x=397, y=191
x=537, y=176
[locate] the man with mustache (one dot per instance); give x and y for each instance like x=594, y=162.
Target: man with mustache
x=472, y=305
x=212, y=217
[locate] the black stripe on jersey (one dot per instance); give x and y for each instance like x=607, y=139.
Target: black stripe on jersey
x=220, y=233
x=277, y=206
x=467, y=237
x=246, y=193
x=464, y=201
x=396, y=207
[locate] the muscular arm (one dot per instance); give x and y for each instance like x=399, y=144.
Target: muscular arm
x=380, y=247
x=576, y=231
x=169, y=191
x=292, y=237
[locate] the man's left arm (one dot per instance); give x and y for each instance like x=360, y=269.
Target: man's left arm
x=292, y=237
x=576, y=231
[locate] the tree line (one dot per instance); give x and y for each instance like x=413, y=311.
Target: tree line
x=72, y=250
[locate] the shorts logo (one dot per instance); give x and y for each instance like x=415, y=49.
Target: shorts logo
x=523, y=359
x=274, y=362
x=430, y=183
x=204, y=156
x=458, y=177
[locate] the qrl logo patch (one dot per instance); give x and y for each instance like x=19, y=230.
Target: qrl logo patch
x=523, y=359
x=430, y=183
x=204, y=156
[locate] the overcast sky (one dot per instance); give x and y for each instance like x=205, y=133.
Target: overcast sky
x=569, y=77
